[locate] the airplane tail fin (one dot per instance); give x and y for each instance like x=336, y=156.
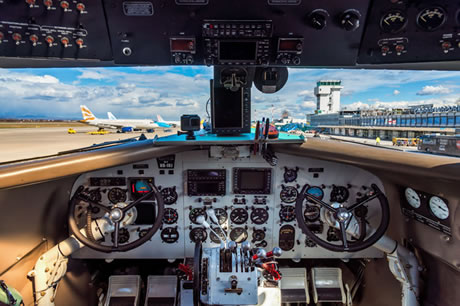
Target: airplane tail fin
x=111, y=116
x=160, y=119
x=87, y=114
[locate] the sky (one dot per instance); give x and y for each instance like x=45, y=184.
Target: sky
x=144, y=92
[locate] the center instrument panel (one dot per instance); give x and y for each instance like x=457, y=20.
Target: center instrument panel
x=238, y=32
x=252, y=200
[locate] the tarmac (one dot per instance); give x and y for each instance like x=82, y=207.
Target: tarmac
x=24, y=143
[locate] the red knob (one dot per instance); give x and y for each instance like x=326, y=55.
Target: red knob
x=17, y=38
x=49, y=39
x=80, y=7
x=65, y=5
x=48, y=3
x=34, y=39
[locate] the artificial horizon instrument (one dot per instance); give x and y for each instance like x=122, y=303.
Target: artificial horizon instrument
x=231, y=217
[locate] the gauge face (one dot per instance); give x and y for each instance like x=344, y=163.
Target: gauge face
x=238, y=234
x=239, y=216
x=123, y=236
x=117, y=195
x=95, y=195
x=393, y=22
x=431, y=18
x=339, y=194
x=259, y=215
x=290, y=175
x=287, y=213
x=258, y=235
x=412, y=197
x=311, y=213
x=139, y=188
x=439, y=208
x=221, y=215
x=195, y=213
x=169, y=195
x=170, y=216
x=289, y=194
x=315, y=191
x=169, y=235
x=213, y=236
x=198, y=234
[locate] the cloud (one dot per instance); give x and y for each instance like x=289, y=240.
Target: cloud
x=396, y=92
x=434, y=90
x=91, y=75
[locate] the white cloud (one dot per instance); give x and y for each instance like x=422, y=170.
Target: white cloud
x=396, y=92
x=91, y=75
x=434, y=90
x=309, y=104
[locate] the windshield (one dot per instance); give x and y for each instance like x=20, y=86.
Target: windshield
x=47, y=111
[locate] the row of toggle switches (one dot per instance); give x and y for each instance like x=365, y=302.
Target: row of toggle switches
x=34, y=39
x=65, y=5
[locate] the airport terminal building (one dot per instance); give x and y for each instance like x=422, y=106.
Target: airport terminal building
x=386, y=123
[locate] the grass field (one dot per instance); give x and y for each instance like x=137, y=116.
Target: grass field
x=38, y=124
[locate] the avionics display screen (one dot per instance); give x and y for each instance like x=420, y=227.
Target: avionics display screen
x=145, y=213
x=238, y=51
x=207, y=187
x=251, y=180
x=228, y=108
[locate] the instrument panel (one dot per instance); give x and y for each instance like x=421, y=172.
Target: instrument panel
x=252, y=201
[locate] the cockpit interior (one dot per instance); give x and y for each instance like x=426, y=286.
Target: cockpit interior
x=231, y=217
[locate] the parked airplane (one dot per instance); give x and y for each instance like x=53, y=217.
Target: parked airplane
x=114, y=123
x=172, y=123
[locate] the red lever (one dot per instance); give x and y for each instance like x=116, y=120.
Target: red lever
x=187, y=270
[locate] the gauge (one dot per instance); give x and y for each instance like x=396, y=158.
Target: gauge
x=95, y=195
x=221, y=215
x=412, y=197
x=431, y=18
x=123, y=236
x=140, y=187
x=259, y=215
x=315, y=191
x=339, y=194
x=311, y=213
x=309, y=243
x=263, y=244
x=198, y=234
x=214, y=237
x=195, y=212
x=170, y=216
x=438, y=208
x=238, y=234
x=258, y=235
x=143, y=232
x=287, y=213
x=393, y=22
x=288, y=194
x=290, y=174
x=239, y=216
x=117, y=195
x=169, y=235
x=169, y=195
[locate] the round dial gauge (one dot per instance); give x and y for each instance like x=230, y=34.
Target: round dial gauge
x=123, y=236
x=412, y=197
x=439, y=208
x=169, y=235
x=288, y=194
x=339, y=194
x=290, y=175
x=393, y=22
x=239, y=216
x=169, y=195
x=315, y=191
x=287, y=213
x=311, y=213
x=170, y=216
x=431, y=18
x=198, y=234
x=259, y=215
x=95, y=195
x=195, y=212
x=258, y=235
x=238, y=234
x=221, y=215
x=116, y=195
x=213, y=236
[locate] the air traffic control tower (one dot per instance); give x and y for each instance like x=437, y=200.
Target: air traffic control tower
x=327, y=93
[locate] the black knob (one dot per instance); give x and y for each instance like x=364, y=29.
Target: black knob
x=349, y=20
x=318, y=19
x=296, y=60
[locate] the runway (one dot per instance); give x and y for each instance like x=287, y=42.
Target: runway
x=23, y=143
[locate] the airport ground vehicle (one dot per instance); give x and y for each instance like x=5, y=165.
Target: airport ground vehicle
x=441, y=144
x=71, y=131
x=404, y=141
x=96, y=226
